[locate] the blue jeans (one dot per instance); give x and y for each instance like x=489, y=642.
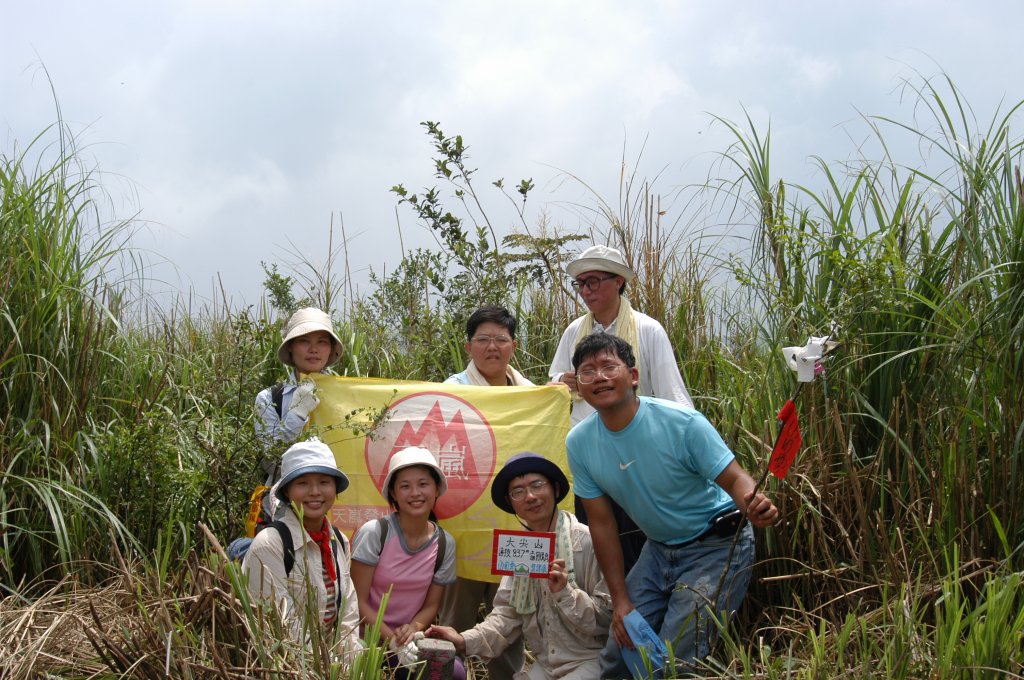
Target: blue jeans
x=672, y=587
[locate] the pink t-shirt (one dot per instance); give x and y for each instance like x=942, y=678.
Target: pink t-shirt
x=409, y=574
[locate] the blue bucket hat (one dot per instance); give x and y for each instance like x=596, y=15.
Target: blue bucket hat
x=519, y=465
x=305, y=458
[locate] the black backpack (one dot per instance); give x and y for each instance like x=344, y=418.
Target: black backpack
x=289, y=548
x=277, y=397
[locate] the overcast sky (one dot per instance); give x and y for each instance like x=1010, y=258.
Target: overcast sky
x=235, y=129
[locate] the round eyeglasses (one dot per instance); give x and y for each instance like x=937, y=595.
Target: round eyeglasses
x=608, y=372
x=592, y=283
x=534, y=487
x=485, y=340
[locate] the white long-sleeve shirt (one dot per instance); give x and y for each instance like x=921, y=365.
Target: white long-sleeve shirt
x=264, y=565
x=659, y=372
x=273, y=428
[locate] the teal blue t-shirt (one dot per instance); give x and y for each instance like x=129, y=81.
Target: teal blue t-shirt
x=660, y=468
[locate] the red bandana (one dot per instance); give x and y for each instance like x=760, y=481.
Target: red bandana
x=323, y=539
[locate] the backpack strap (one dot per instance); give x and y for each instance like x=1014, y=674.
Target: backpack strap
x=339, y=595
x=286, y=544
x=277, y=397
x=289, y=548
x=341, y=541
x=382, y=528
x=442, y=540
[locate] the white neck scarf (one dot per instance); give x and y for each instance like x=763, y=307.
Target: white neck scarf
x=515, y=378
x=522, y=598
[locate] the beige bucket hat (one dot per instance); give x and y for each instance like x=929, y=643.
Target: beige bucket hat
x=601, y=259
x=307, y=320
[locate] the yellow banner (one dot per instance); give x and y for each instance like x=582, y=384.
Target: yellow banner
x=471, y=431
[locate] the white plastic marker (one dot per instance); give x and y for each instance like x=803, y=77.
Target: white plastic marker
x=807, y=362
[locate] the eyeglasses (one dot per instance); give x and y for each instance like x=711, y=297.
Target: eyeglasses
x=593, y=283
x=485, y=340
x=608, y=372
x=535, y=487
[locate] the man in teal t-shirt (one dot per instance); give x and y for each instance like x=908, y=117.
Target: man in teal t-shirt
x=670, y=470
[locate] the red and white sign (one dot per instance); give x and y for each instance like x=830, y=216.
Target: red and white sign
x=522, y=553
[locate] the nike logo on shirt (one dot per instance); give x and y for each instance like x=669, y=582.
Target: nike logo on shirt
x=623, y=466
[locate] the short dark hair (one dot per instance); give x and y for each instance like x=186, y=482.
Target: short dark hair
x=603, y=342
x=494, y=314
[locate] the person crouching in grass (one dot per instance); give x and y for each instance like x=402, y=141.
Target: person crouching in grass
x=406, y=552
x=564, y=618
x=300, y=562
x=668, y=467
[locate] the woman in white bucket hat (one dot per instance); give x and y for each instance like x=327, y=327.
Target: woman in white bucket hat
x=406, y=552
x=308, y=345
x=301, y=558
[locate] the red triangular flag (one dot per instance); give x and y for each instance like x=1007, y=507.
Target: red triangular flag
x=788, y=443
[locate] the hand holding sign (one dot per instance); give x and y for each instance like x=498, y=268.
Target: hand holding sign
x=557, y=576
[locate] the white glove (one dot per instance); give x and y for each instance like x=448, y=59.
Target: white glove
x=409, y=653
x=303, y=399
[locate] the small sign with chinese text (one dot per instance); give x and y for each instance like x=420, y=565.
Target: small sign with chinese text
x=522, y=553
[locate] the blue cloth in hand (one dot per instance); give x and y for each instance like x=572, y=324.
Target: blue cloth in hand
x=643, y=636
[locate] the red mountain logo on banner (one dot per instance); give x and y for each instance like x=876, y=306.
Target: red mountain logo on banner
x=453, y=430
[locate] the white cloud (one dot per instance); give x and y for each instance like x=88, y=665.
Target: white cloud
x=816, y=72
x=246, y=123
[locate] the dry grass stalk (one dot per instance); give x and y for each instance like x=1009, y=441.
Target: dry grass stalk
x=135, y=626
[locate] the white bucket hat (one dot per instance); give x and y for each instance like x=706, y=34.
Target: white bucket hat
x=601, y=259
x=307, y=320
x=305, y=458
x=407, y=457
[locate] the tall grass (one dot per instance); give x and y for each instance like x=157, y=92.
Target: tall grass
x=913, y=442
x=111, y=415
x=900, y=549
x=61, y=346
x=195, y=621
